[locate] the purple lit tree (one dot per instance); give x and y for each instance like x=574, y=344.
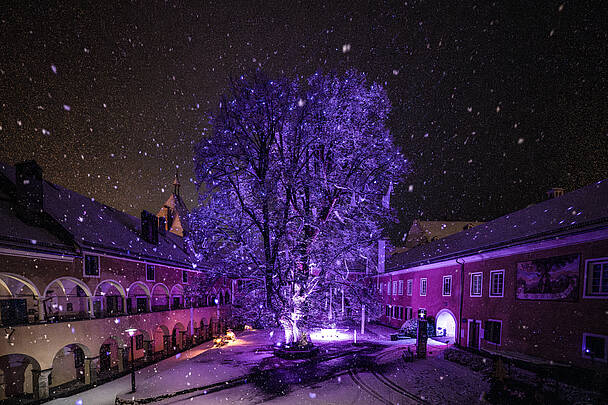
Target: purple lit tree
x=292, y=180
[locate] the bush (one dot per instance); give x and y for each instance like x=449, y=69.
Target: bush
x=410, y=327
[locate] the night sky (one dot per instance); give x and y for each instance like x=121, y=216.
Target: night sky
x=493, y=103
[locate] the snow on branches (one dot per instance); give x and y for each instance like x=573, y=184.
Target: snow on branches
x=291, y=180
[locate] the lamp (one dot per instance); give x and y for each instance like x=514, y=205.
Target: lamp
x=131, y=332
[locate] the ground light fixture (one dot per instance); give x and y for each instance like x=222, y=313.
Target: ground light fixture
x=131, y=332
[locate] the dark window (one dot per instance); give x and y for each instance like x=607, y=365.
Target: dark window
x=184, y=276
x=78, y=358
x=69, y=307
x=597, y=279
x=149, y=272
x=91, y=265
x=492, y=332
x=139, y=342
x=595, y=347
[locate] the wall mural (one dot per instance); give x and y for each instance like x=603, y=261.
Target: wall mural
x=552, y=278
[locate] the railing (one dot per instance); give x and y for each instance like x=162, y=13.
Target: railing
x=32, y=317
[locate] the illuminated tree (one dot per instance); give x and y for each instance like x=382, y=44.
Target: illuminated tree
x=294, y=175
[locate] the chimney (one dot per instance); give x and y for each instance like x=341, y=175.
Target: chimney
x=555, y=192
x=162, y=225
x=29, y=197
x=149, y=227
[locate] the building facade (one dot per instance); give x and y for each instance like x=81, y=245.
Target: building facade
x=75, y=274
x=532, y=284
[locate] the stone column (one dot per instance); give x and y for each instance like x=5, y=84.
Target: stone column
x=121, y=359
x=41, y=383
x=166, y=344
x=91, y=364
x=148, y=350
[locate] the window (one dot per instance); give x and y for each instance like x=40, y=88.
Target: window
x=388, y=288
x=447, y=286
x=149, y=272
x=497, y=281
x=184, y=276
x=409, y=287
x=596, y=278
x=594, y=346
x=492, y=331
x=476, y=284
x=423, y=286
x=408, y=313
x=387, y=312
x=400, y=287
x=139, y=342
x=91, y=266
x=394, y=287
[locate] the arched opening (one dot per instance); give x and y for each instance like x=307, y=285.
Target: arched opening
x=178, y=337
x=203, y=332
x=67, y=298
x=211, y=300
x=20, y=300
x=109, y=299
x=160, y=297
x=162, y=342
x=138, y=298
x=19, y=375
x=221, y=298
x=110, y=357
x=177, y=297
x=138, y=340
x=446, y=324
x=68, y=367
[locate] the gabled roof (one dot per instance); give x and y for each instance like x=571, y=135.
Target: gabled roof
x=98, y=227
x=581, y=210
x=427, y=231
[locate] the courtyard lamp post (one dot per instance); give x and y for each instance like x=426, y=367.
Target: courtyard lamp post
x=131, y=333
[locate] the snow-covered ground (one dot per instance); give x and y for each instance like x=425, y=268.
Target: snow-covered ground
x=435, y=379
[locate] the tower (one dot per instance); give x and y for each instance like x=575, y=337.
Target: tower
x=174, y=211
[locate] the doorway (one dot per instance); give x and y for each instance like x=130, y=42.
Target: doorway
x=474, y=327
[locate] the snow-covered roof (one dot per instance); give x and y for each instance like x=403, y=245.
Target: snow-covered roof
x=579, y=210
x=98, y=227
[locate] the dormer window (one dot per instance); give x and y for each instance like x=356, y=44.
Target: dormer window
x=91, y=266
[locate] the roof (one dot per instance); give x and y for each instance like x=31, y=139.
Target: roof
x=581, y=210
x=98, y=227
x=426, y=231
x=15, y=233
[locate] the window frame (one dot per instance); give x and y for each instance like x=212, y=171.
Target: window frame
x=400, y=287
x=84, y=266
x=426, y=286
x=185, y=279
x=480, y=274
x=153, y=267
x=388, y=288
x=499, y=334
x=587, y=279
x=502, y=289
x=394, y=287
x=139, y=340
x=409, y=287
x=597, y=335
x=449, y=294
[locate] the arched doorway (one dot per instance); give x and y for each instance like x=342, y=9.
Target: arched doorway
x=162, y=343
x=160, y=297
x=138, y=298
x=68, y=366
x=446, y=324
x=19, y=374
x=109, y=299
x=178, y=337
x=110, y=357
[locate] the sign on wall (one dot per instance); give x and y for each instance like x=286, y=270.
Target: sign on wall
x=552, y=278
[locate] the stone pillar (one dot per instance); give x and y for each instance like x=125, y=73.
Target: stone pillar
x=121, y=359
x=41, y=383
x=40, y=309
x=148, y=350
x=91, y=364
x=166, y=345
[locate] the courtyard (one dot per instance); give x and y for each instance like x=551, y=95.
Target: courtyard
x=245, y=371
